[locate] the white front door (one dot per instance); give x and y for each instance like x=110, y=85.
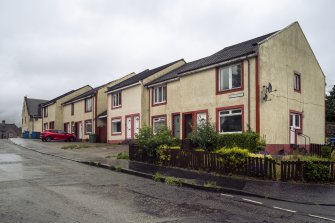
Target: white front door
x=128, y=128
x=295, y=124
x=136, y=124
x=80, y=130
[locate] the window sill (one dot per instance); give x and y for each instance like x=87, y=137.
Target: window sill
x=116, y=133
x=158, y=104
x=229, y=90
x=116, y=107
x=298, y=91
x=230, y=132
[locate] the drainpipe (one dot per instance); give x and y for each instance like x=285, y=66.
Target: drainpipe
x=149, y=107
x=248, y=94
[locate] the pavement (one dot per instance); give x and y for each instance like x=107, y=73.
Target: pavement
x=39, y=187
x=105, y=156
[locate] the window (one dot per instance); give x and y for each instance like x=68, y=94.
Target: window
x=73, y=127
x=158, y=123
x=230, y=77
x=72, y=109
x=45, y=111
x=88, y=104
x=116, y=100
x=45, y=126
x=297, y=82
x=230, y=121
x=116, y=126
x=51, y=125
x=295, y=120
x=159, y=94
x=88, y=126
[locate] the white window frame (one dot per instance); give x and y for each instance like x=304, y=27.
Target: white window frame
x=230, y=113
x=88, y=122
x=156, y=91
x=294, y=124
x=230, y=73
x=116, y=120
x=116, y=99
x=157, y=119
x=45, y=126
x=88, y=104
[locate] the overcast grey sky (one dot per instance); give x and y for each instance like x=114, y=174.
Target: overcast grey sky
x=50, y=47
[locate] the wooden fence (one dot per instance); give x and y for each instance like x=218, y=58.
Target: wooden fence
x=255, y=167
x=315, y=149
x=295, y=170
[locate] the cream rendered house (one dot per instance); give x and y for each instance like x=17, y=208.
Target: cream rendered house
x=272, y=85
x=52, y=110
x=128, y=103
x=87, y=113
x=32, y=115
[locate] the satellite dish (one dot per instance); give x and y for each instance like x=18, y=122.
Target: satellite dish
x=270, y=88
x=265, y=98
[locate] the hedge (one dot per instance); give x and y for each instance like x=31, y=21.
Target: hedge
x=247, y=140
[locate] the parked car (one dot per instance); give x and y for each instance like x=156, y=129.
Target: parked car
x=52, y=134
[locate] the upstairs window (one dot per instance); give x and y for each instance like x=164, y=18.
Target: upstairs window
x=88, y=104
x=45, y=112
x=159, y=94
x=230, y=77
x=297, y=82
x=116, y=100
x=72, y=109
x=230, y=121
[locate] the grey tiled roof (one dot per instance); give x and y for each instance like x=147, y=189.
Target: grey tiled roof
x=34, y=106
x=226, y=54
x=141, y=76
x=63, y=95
x=6, y=127
x=84, y=95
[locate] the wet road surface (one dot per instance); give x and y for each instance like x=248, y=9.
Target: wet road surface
x=39, y=188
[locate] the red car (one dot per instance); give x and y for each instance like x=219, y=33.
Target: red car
x=52, y=134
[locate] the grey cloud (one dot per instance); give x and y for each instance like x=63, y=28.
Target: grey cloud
x=50, y=47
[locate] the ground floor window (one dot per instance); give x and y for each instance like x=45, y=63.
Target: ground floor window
x=45, y=126
x=116, y=126
x=230, y=120
x=51, y=125
x=158, y=123
x=88, y=127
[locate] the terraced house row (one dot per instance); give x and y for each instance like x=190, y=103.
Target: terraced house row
x=272, y=84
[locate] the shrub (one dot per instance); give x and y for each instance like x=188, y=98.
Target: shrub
x=234, y=157
x=148, y=142
x=316, y=172
x=173, y=181
x=122, y=155
x=247, y=140
x=326, y=152
x=260, y=156
x=205, y=136
x=332, y=157
x=157, y=177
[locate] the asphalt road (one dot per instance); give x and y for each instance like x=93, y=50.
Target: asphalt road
x=41, y=188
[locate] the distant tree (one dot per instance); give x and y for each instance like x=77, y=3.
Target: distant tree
x=330, y=106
